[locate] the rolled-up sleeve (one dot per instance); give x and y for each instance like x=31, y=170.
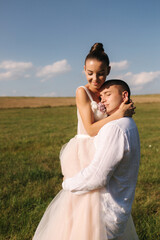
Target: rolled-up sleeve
x=110, y=143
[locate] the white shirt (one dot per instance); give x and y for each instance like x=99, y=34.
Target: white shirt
x=115, y=167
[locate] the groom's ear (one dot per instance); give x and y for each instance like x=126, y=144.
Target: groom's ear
x=125, y=96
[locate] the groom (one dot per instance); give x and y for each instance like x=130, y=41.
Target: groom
x=115, y=165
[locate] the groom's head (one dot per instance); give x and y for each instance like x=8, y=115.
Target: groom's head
x=113, y=92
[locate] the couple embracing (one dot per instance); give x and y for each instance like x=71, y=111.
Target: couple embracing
x=100, y=164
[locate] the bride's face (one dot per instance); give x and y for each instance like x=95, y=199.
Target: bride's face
x=96, y=73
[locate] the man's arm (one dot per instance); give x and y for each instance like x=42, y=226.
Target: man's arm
x=109, y=152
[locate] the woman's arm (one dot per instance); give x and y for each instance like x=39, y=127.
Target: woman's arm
x=84, y=107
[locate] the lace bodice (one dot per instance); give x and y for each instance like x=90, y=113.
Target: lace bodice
x=98, y=114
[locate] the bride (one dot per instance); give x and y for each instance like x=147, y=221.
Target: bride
x=72, y=217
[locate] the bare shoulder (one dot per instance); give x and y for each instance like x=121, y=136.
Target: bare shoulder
x=81, y=95
x=80, y=90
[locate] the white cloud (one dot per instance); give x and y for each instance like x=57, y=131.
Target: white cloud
x=11, y=70
x=8, y=65
x=118, y=66
x=141, y=78
x=54, y=69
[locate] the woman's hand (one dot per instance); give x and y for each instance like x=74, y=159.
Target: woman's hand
x=127, y=109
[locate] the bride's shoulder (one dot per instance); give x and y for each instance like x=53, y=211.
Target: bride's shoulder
x=81, y=94
x=81, y=90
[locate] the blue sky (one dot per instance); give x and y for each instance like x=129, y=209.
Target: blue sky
x=43, y=44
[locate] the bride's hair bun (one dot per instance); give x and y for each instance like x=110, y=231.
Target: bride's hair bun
x=97, y=47
x=97, y=52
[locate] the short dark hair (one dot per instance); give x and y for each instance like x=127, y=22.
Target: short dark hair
x=123, y=84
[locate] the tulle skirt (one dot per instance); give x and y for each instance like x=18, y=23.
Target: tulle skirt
x=71, y=217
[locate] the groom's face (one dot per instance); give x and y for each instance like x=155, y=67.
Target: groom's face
x=112, y=96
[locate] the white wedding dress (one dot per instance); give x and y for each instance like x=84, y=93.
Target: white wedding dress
x=77, y=217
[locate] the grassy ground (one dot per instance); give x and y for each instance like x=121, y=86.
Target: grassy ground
x=30, y=175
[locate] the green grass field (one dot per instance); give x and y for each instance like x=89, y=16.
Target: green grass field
x=30, y=174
